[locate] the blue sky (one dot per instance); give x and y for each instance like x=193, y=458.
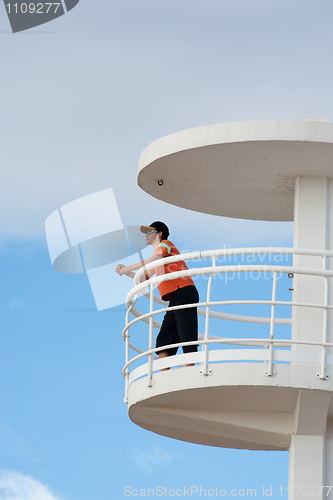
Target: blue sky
x=80, y=99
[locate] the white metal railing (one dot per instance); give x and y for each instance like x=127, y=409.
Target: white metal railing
x=205, y=357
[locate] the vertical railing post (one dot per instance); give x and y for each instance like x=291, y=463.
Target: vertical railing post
x=126, y=357
x=272, y=323
x=151, y=336
x=323, y=375
x=205, y=371
x=135, y=298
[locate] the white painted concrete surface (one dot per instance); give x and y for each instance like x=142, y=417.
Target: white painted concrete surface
x=236, y=407
x=310, y=458
x=242, y=169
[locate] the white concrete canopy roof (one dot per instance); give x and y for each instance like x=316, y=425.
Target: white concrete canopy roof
x=244, y=170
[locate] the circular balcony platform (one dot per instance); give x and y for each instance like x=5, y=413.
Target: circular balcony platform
x=243, y=169
x=235, y=407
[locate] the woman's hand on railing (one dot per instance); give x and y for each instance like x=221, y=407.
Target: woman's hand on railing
x=122, y=270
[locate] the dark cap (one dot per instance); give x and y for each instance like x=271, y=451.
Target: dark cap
x=159, y=227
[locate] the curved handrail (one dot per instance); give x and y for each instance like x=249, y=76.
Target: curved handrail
x=230, y=252
x=223, y=270
x=260, y=342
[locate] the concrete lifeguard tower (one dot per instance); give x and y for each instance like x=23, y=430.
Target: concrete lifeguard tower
x=276, y=393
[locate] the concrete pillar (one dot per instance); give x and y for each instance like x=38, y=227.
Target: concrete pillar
x=313, y=228
x=311, y=450
x=306, y=467
x=308, y=458
x=329, y=456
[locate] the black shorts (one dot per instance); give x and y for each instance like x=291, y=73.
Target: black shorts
x=180, y=325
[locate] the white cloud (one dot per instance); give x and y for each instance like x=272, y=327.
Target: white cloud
x=17, y=486
x=148, y=460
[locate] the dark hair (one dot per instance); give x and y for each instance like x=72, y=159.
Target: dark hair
x=161, y=227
